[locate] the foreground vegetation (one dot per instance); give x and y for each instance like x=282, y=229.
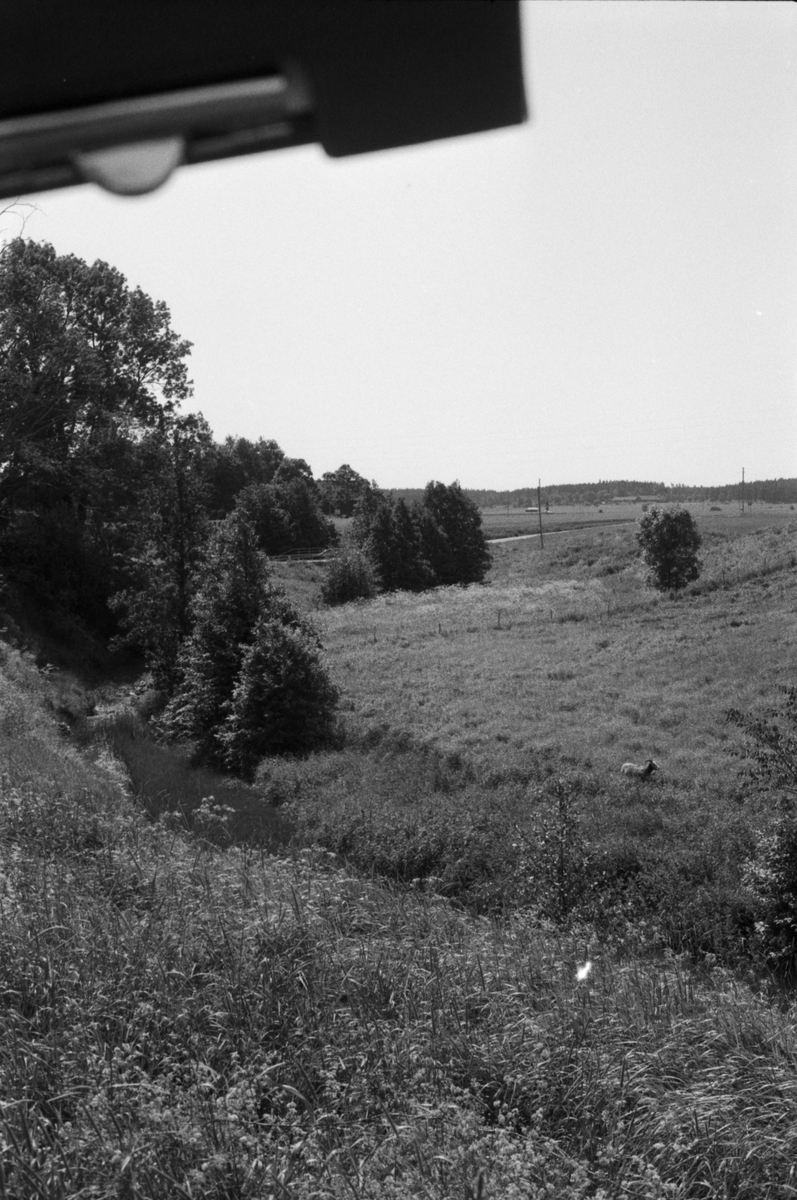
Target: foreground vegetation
x=184, y=1020
x=532, y=977
x=450, y=952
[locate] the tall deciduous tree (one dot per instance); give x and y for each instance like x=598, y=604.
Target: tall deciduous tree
x=89, y=368
x=462, y=554
x=285, y=515
x=167, y=547
x=238, y=463
x=340, y=490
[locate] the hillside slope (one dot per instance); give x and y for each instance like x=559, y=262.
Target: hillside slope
x=179, y=1020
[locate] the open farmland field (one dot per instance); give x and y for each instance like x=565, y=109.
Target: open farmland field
x=566, y=653
x=486, y=726
x=505, y=521
x=515, y=522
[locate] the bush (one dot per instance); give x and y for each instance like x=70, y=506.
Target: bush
x=769, y=757
x=771, y=880
x=669, y=541
x=350, y=576
x=769, y=752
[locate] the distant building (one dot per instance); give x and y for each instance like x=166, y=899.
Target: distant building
x=638, y=500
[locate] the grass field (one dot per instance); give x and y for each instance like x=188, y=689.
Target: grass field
x=513, y=522
x=487, y=725
x=565, y=651
x=532, y=977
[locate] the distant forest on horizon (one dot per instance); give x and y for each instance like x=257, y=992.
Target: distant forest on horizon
x=771, y=491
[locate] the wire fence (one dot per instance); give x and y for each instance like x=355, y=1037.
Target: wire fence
x=313, y=554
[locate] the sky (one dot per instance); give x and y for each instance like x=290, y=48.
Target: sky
x=606, y=292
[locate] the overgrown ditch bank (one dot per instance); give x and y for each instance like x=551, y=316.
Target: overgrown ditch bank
x=180, y=1019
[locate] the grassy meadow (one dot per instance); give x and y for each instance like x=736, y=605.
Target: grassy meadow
x=486, y=725
x=456, y=956
x=507, y=521
x=565, y=652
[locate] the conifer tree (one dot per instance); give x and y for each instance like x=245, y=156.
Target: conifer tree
x=250, y=657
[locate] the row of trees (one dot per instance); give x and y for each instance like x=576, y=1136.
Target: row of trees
x=772, y=491
x=247, y=679
x=395, y=546
x=122, y=515
x=103, y=482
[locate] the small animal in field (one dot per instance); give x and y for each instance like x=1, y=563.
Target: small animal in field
x=639, y=770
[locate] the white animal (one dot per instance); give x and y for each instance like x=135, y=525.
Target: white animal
x=640, y=771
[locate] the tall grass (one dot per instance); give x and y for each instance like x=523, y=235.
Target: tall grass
x=647, y=873
x=166, y=782
x=181, y=1016
x=183, y=1020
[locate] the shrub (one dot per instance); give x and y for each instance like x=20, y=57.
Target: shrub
x=771, y=880
x=350, y=576
x=552, y=869
x=769, y=752
x=669, y=541
x=770, y=765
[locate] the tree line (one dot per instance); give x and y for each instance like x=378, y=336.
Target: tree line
x=770, y=491
x=122, y=517
x=436, y=541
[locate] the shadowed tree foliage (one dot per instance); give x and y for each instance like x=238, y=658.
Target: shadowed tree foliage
x=87, y=365
x=285, y=515
x=462, y=554
x=170, y=540
x=340, y=490
x=769, y=766
x=89, y=369
x=235, y=464
x=283, y=701
x=438, y=541
x=232, y=681
x=669, y=541
x=390, y=538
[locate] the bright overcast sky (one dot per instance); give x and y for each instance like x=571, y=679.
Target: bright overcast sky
x=609, y=291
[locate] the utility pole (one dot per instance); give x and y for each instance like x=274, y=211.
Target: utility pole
x=539, y=510
x=742, y=491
